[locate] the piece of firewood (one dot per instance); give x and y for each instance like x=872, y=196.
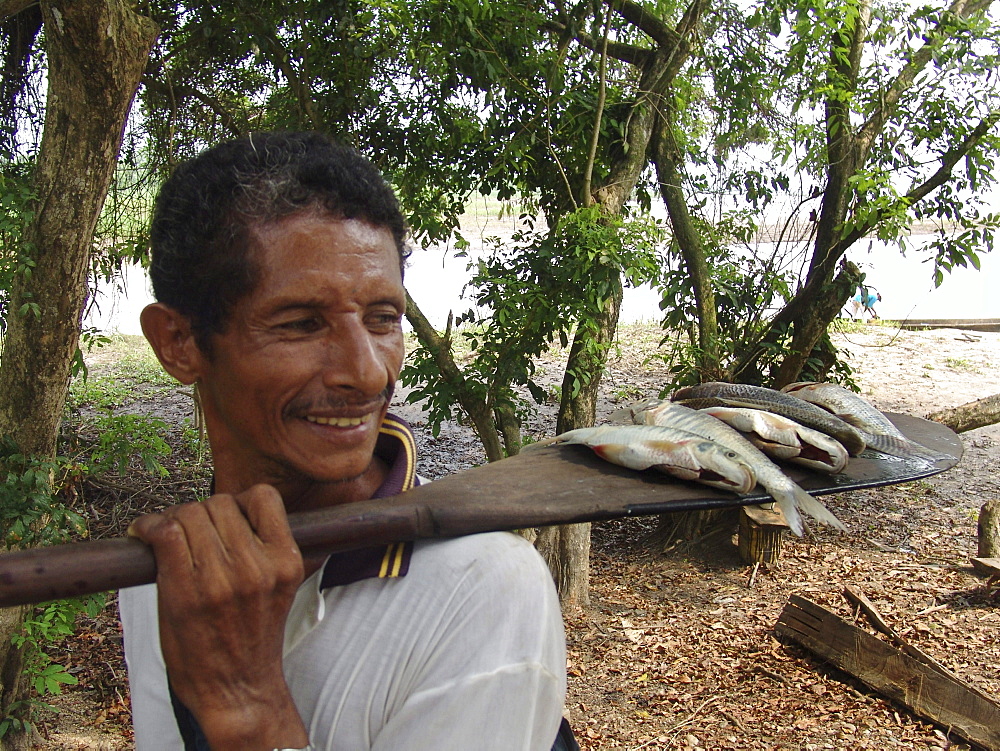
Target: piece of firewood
x=867, y=607
x=989, y=529
x=934, y=695
x=987, y=566
x=971, y=415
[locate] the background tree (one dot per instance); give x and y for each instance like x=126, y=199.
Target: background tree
x=95, y=50
x=889, y=101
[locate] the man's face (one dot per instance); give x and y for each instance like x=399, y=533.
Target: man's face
x=299, y=381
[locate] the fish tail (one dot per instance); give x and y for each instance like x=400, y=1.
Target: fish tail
x=786, y=503
x=793, y=499
x=901, y=447
x=817, y=510
x=542, y=442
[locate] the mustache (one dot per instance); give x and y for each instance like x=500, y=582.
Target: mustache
x=330, y=402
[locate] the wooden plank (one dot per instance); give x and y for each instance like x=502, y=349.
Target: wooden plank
x=929, y=693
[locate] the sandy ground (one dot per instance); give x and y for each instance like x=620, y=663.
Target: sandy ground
x=677, y=649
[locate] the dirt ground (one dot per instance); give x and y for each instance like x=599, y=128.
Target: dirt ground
x=677, y=649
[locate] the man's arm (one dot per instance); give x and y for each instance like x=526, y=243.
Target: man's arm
x=227, y=571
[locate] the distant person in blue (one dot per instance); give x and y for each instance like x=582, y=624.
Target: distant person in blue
x=865, y=301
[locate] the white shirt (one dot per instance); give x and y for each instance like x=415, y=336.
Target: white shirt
x=466, y=651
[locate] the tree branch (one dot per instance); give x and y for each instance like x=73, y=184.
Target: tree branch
x=9, y=8
x=588, y=171
x=165, y=88
x=626, y=53
x=918, y=193
x=648, y=23
x=905, y=78
x=302, y=90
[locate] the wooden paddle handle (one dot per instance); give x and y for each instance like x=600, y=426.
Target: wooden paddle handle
x=60, y=571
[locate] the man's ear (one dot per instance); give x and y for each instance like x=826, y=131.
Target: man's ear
x=169, y=334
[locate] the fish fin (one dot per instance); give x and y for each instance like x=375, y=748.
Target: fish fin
x=623, y=416
x=542, y=442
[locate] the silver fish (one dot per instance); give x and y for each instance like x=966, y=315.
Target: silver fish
x=674, y=452
x=784, y=439
x=721, y=394
x=877, y=430
x=789, y=496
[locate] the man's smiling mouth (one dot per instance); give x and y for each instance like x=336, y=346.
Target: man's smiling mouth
x=338, y=422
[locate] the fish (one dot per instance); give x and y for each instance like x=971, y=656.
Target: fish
x=788, y=495
x=877, y=430
x=719, y=394
x=784, y=439
x=674, y=452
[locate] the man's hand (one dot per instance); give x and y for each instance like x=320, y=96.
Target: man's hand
x=227, y=571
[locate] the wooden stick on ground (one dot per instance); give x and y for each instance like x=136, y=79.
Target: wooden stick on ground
x=921, y=684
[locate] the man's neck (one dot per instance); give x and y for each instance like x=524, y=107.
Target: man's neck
x=301, y=493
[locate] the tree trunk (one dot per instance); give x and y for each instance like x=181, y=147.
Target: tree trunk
x=811, y=326
x=97, y=50
x=566, y=550
x=585, y=365
x=971, y=415
x=692, y=250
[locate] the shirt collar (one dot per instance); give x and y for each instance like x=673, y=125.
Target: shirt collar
x=397, y=448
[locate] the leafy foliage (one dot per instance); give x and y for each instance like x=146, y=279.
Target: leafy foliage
x=532, y=293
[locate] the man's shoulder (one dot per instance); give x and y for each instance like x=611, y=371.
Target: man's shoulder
x=501, y=558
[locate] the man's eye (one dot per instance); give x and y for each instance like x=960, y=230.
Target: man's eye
x=300, y=324
x=381, y=321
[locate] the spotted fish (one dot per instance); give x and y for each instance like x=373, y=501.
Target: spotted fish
x=719, y=394
x=877, y=430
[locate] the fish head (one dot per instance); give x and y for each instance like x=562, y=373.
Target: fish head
x=723, y=468
x=798, y=386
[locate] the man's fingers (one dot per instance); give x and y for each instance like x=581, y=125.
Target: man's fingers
x=168, y=539
x=265, y=511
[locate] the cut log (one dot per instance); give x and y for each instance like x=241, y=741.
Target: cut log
x=762, y=533
x=989, y=529
x=925, y=687
x=971, y=415
x=987, y=566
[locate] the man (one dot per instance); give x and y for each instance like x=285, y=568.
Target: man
x=277, y=269
x=864, y=300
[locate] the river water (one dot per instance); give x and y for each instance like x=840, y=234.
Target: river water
x=436, y=279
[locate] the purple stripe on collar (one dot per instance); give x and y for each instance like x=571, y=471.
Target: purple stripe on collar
x=397, y=448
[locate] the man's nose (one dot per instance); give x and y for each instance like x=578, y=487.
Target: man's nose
x=354, y=361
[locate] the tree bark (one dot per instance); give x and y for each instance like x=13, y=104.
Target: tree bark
x=96, y=51
x=566, y=550
x=971, y=415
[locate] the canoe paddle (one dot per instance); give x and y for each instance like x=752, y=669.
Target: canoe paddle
x=552, y=485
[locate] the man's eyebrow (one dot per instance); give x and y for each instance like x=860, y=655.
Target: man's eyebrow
x=291, y=304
